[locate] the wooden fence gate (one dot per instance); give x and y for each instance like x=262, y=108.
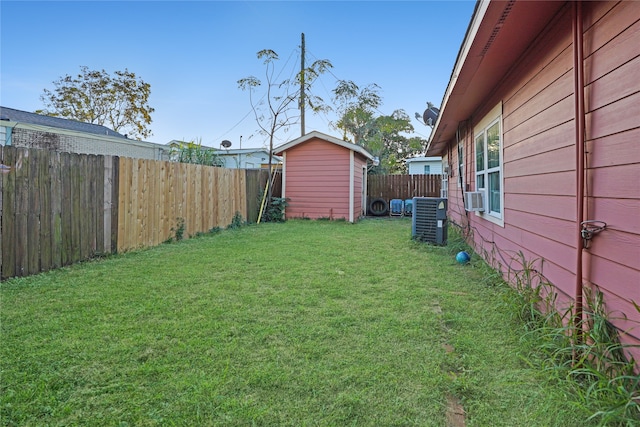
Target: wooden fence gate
x=403, y=187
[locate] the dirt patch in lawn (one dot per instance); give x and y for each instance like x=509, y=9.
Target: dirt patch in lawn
x=455, y=414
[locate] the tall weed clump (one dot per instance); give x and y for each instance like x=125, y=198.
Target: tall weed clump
x=587, y=356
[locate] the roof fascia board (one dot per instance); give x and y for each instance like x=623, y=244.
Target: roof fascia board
x=329, y=138
x=474, y=25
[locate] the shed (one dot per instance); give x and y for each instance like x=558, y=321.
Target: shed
x=324, y=177
x=539, y=123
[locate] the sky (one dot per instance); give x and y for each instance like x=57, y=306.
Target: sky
x=192, y=53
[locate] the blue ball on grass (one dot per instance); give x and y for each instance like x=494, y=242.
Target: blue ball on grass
x=463, y=257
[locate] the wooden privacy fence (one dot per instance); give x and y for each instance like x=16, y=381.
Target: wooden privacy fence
x=55, y=209
x=156, y=198
x=403, y=187
x=60, y=208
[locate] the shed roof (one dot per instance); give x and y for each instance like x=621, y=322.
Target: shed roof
x=18, y=116
x=424, y=159
x=498, y=34
x=315, y=134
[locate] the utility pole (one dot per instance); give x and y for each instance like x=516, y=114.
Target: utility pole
x=302, y=101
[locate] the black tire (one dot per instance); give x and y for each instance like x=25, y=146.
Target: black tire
x=378, y=207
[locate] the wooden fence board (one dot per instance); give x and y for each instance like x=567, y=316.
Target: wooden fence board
x=85, y=202
x=33, y=215
x=8, y=214
x=84, y=212
x=22, y=211
x=169, y=200
x=198, y=199
x=139, y=199
x=77, y=212
x=132, y=205
x=223, y=202
x=206, y=201
x=45, y=211
x=65, y=208
x=97, y=170
x=156, y=183
x=190, y=222
x=213, y=185
x=115, y=204
x=101, y=183
x=126, y=214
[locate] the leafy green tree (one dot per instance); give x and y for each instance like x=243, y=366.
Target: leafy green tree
x=278, y=108
x=119, y=102
x=383, y=136
x=356, y=109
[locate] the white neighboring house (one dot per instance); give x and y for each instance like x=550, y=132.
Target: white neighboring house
x=424, y=165
x=247, y=158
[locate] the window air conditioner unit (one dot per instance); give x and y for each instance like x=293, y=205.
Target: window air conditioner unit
x=474, y=201
x=429, y=220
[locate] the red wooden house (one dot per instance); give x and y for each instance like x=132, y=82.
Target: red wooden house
x=540, y=129
x=324, y=177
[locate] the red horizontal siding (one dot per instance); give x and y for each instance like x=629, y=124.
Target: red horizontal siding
x=620, y=248
x=617, y=149
x=551, y=184
x=539, y=160
x=612, y=41
x=613, y=86
x=616, y=117
x=317, y=180
x=561, y=207
x=552, y=139
x=559, y=90
x=558, y=230
x=619, y=279
x=546, y=162
x=320, y=162
x=615, y=182
x=540, y=121
x=620, y=214
x=547, y=62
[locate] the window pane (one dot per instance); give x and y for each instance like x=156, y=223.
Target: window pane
x=427, y=169
x=480, y=153
x=480, y=181
x=494, y=192
x=493, y=146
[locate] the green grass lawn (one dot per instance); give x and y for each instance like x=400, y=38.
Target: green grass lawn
x=304, y=323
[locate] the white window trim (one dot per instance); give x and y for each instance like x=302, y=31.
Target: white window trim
x=461, y=162
x=493, y=116
x=444, y=185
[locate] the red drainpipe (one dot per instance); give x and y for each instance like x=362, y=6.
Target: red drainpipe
x=578, y=58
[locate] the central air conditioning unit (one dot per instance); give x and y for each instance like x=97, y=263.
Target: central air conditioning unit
x=429, y=220
x=474, y=201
